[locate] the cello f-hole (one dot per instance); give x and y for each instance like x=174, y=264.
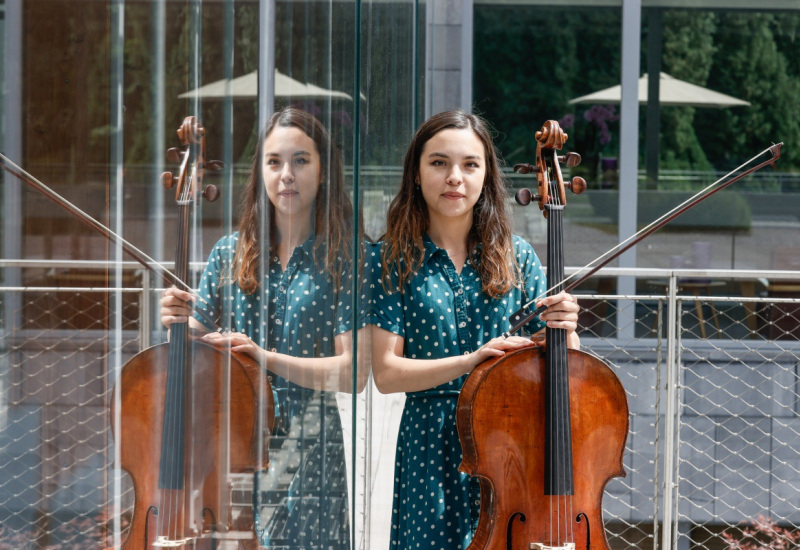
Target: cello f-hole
x=588, y=531
x=153, y=509
x=213, y=525
x=510, y=528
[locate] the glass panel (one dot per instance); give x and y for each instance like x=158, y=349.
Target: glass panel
x=270, y=443
x=564, y=62
x=518, y=97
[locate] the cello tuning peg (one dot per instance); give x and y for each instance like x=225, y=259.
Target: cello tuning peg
x=167, y=180
x=522, y=169
x=174, y=154
x=213, y=165
x=524, y=197
x=570, y=159
x=577, y=185
x=525, y=168
x=211, y=193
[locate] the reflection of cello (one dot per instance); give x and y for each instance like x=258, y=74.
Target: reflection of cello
x=543, y=429
x=189, y=415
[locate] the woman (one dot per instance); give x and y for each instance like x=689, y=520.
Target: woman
x=451, y=274
x=283, y=287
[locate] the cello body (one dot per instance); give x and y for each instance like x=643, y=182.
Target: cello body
x=502, y=429
x=190, y=415
x=223, y=435
x=543, y=428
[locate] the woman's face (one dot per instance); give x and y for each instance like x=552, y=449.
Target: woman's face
x=292, y=172
x=452, y=169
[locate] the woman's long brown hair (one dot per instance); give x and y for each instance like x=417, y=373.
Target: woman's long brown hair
x=407, y=220
x=333, y=212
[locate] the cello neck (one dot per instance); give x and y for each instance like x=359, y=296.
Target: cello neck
x=558, y=434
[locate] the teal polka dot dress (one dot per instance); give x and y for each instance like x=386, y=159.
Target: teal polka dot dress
x=442, y=313
x=298, y=312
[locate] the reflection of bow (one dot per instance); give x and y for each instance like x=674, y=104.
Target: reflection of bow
x=524, y=315
x=152, y=265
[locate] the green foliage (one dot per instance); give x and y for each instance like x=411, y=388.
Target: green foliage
x=749, y=64
x=688, y=48
x=530, y=75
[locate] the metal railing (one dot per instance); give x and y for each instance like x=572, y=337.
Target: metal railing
x=709, y=361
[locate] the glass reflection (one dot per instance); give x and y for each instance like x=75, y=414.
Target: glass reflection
x=282, y=287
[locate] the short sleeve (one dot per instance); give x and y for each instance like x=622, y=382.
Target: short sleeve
x=534, y=278
x=219, y=260
x=387, y=306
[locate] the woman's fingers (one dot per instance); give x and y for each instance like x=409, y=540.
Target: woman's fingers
x=235, y=341
x=498, y=346
x=176, y=306
x=562, y=311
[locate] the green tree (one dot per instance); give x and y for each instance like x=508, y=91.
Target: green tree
x=688, y=48
x=751, y=61
x=546, y=56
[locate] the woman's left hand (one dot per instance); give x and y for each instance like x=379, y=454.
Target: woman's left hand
x=562, y=312
x=235, y=341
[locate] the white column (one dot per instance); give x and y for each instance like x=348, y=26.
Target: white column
x=629, y=158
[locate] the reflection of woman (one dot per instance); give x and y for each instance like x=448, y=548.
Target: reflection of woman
x=283, y=284
x=451, y=275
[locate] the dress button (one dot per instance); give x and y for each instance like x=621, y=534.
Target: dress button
x=274, y=350
x=462, y=324
x=278, y=322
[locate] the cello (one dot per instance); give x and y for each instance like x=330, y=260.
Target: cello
x=543, y=428
x=190, y=414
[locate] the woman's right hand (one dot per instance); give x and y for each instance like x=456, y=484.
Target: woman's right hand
x=495, y=348
x=176, y=306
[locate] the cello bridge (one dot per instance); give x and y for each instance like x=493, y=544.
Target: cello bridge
x=164, y=542
x=540, y=546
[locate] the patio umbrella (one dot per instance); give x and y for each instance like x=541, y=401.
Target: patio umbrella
x=671, y=92
x=246, y=86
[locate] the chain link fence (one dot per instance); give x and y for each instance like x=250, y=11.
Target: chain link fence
x=709, y=361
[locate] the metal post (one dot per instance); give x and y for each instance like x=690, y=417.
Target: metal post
x=157, y=152
x=11, y=142
x=653, y=120
x=629, y=158
x=266, y=61
x=467, y=23
x=670, y=414
x=115, y=178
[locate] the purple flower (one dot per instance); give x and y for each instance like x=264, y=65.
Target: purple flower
x=567, y=122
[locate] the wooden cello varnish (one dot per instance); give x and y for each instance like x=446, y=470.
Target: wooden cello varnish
x=191, y=416
x=543, y=429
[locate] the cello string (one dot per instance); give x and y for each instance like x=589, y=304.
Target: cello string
x=177, y=359
x=562, y=380
x=561, y=375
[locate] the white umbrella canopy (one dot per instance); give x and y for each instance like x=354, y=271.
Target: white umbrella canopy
x=246, y=86
x=671, y=92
